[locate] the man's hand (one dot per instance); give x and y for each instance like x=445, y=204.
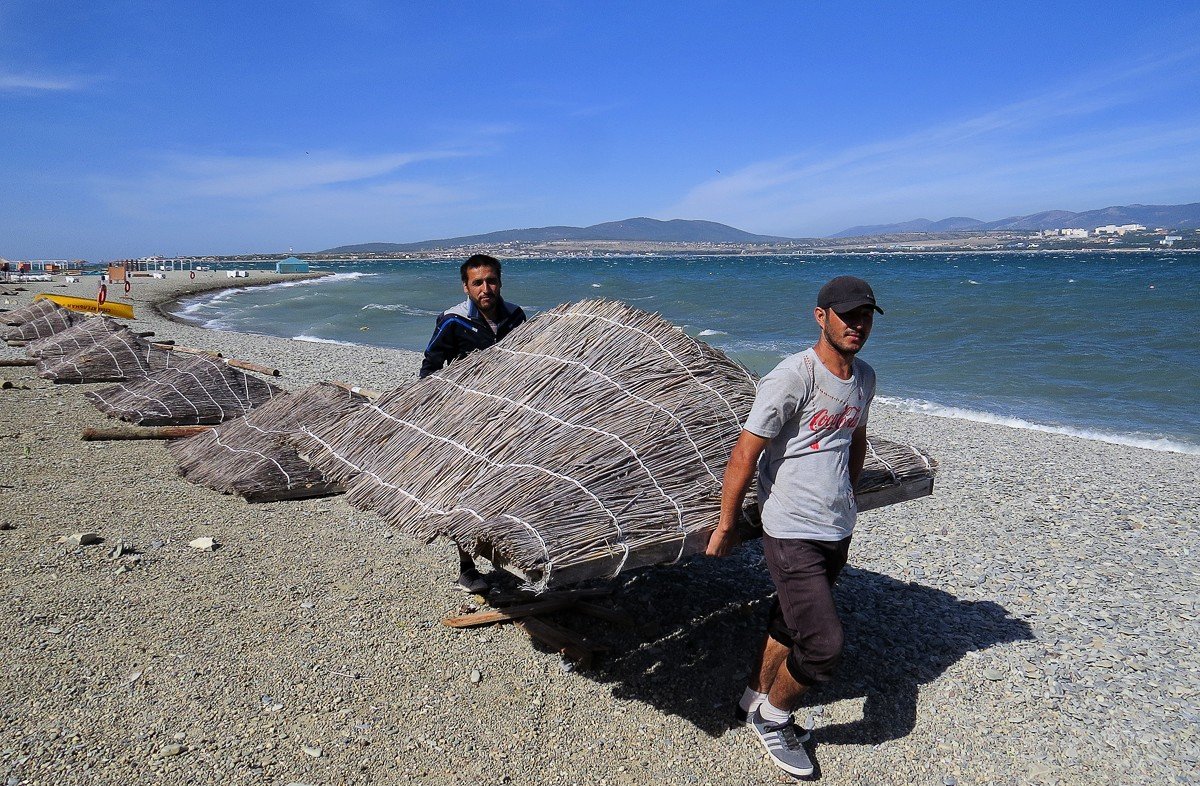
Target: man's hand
x=738, y=474
x=720, y=543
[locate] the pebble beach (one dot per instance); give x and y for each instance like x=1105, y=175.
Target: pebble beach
x=1032, y=622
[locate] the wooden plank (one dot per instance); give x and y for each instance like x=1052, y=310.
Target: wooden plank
x=507, y=614
x=371, y=394
x=563, y=641
x=18, y=362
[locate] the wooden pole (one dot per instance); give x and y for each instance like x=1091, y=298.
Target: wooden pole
x=189, y=350
x=371, y=394
x=145, y=432
x=18, y=362
x=270, y=372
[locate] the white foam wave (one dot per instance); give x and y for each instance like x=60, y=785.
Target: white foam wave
x=319, y=340
x=921, y=407
x=712, y=333
x=402, y=308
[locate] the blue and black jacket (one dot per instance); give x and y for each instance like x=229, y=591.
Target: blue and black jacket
x=463, y=329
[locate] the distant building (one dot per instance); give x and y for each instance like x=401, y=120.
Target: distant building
x=1064, y=233
x=1169, y=240
x=291, y=265
x=1113, y=229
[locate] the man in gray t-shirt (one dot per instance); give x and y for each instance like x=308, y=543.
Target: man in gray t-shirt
x=806, y=436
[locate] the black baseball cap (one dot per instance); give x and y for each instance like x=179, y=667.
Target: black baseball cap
x=846, y=293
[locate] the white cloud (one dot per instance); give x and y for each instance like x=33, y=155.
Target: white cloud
x=1076, y=143
x=35, y=83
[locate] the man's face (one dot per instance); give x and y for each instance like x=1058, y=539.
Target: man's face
x=483, y=288
x=846, y=332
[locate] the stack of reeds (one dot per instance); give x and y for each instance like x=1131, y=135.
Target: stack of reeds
x=196, y=390
x=40, y=327
x=591, y=441
x=251, y=455
x=79, y=336
x=118, y=357
x=38, y=308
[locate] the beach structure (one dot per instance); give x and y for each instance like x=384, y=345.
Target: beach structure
x=19, y=316
x=118, y=357
x=196, y=390
x=251, y=455
x=291, y=265
x=83, y=334
x=46, y=325
x=591, y=442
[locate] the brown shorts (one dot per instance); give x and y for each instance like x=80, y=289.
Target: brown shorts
x=804, y=616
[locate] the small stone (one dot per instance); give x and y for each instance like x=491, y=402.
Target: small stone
x=476, y=676
x=82, y=539
x=174, y=749
x=7, y=525
x=311, y=751
x=204, y=544
x=949, y=780
x=54, y=631
x=306, y=604
x=993, y=674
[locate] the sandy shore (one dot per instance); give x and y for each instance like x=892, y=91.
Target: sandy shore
x=1033, y=622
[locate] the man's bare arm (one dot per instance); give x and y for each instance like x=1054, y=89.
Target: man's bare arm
x=738, y=474
x=858, y=454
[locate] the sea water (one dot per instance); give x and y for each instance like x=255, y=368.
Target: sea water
x=1097, y=344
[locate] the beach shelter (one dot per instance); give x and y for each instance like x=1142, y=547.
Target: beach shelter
x=251, y=455
x=291, y=265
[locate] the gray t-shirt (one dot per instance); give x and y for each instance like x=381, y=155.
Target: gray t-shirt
x=809, y=415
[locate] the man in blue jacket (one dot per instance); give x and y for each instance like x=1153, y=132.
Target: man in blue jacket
x=477, y=323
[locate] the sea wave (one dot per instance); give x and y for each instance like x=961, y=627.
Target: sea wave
x=713, y=333
x=403, y=308
x=319, y=340
x=1163, y=444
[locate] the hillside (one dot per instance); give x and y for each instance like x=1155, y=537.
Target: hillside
x=631, y=229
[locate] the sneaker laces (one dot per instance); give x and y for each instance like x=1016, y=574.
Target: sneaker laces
x=787, y=733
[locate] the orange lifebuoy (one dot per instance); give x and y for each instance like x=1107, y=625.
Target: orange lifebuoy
x=102, y=295
x=126, y=286
x=193, y=274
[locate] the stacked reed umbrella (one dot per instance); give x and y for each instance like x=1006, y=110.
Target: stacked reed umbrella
x=195, y=390
x=118, y=357
x=79, y=336
x=43, y=326
x=38, y=308
x=591, y=441
x=251, y=455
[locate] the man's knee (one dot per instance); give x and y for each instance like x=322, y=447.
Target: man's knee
x=817, y=658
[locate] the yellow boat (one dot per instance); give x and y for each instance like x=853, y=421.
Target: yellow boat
x=89, y=305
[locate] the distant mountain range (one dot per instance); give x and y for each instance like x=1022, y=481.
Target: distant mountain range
x=1168, y=216
x=680, y=231
x=631, y=229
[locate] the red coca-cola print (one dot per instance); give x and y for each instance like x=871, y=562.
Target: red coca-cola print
x=847, y=418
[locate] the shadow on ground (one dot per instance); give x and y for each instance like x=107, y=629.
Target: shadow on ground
x=698, y=626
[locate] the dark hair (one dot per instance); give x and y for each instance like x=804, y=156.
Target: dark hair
x=479, y=260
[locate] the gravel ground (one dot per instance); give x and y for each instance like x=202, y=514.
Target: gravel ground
x=1032, y=622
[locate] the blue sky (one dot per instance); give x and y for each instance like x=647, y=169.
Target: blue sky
x=134, y=128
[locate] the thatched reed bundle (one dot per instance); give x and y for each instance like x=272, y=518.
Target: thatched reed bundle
x=41, y=327
x=591, y=441
x=82, y=334
x=196, y=390
x=38, y=308
x=119, y=357
x=251, y=456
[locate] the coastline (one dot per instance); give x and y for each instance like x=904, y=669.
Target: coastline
x=1036, y=613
